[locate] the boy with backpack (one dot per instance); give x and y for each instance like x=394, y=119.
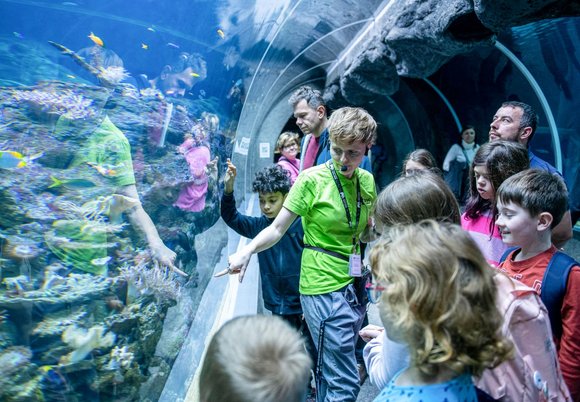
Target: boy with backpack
x=529, y=205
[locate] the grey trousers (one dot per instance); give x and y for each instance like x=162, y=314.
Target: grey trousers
x=334, y=320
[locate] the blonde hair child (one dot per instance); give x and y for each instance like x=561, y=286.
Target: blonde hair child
x=439, y=299
x=255, y=359
x=411, y=199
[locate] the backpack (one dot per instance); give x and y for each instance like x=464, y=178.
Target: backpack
x=533, y=374
x=554, y=285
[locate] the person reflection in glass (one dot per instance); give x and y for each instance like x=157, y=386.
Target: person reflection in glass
x=104, y=162
x=177, y=78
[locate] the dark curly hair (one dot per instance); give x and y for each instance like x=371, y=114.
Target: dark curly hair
x=272, y=179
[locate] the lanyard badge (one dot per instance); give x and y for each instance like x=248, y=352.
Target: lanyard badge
x=354, y=260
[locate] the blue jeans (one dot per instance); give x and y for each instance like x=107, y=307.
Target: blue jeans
x=334, y=320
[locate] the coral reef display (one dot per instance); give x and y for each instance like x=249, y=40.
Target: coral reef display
x=92, y=329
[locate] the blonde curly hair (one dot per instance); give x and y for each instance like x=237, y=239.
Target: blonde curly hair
x=440, y=298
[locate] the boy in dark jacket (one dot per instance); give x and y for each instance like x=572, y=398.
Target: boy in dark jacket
x=279, y=265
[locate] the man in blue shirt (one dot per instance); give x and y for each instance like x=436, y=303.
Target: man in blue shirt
x=517, y=122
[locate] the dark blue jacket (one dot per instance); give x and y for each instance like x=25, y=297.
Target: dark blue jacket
x=538, y=163
x=279, y=265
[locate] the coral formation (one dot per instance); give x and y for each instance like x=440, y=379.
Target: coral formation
x=57, y=323
x=85, y=341
x=65, y=103
x=154, y=281
x=121, y=358
x=13, y=359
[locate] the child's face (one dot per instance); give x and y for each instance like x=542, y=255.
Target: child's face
x=387, y=319
x=348, y=156
x=483, y=182
x=412, y=167
x=271, y=203
x=515, y=224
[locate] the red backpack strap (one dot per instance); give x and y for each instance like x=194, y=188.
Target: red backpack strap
x=554, y=288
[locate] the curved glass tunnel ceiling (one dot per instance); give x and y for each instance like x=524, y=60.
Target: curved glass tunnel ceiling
x=147, y=328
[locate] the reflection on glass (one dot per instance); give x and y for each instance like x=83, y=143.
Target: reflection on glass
x=110, y=176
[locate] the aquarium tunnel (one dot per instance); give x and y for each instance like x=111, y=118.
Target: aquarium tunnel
x=116, y=121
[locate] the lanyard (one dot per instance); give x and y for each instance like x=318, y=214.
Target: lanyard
x=330, y=165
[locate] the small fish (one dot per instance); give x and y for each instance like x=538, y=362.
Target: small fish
x=144, y=46
x=194, y=75
x=100, y=261
x=172, y=45
x=15, y=160
x=71, y=183
x=104, y=170
x=98, y=41
x=53, y=375
x=18, y=35
x=72, y=77
x=151, y=29
x=69, y=3
x=221, y=33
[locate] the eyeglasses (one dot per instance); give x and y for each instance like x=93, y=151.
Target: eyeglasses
x=374, y=291
x=289, y=146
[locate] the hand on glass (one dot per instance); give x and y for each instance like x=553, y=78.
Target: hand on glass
x=211, y=167
x=166, y=257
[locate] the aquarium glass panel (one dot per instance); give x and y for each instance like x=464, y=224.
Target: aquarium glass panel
x=116, y=121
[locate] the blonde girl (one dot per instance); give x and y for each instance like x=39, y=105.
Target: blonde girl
x=438, y=298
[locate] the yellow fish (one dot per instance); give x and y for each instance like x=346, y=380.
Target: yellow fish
x=103, y=170
x=72, y=77
x=98, y=41
x=15, y=160
x=194, y=75
x=144, y=46
x=221, y=33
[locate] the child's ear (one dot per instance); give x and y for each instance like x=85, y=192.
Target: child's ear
x=284, y=197
x=545, y=220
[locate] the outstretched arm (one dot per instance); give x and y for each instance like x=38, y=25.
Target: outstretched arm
x=268, y=237
x=141, y=221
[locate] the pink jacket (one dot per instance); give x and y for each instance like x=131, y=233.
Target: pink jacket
x=292, y=167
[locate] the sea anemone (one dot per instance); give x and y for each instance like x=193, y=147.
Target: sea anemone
x=114, y=74
x=21, y=251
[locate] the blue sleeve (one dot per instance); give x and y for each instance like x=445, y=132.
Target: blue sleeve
x=247, y=226
x=366, y=165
